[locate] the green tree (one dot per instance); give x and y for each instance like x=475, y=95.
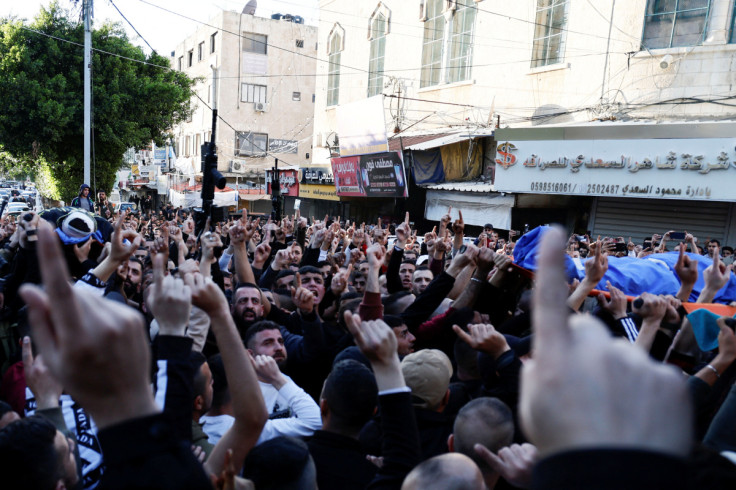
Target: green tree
x=136, y=99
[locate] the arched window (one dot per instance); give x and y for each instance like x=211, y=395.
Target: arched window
x=378, y=51
x=333, y=71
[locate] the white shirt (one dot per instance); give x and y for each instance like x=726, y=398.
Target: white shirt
x=216, y=426
x=291, y=412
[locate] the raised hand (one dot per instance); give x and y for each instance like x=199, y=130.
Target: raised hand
x=303, y=298
x=596, y=267
x=340, y=281
x=262, y=253
x=268, y=371
x=483, y=337
x=578, y=356
x=458, y=227
x=514, y=463
x=616, y=306
x=96, y=348
x=715, y=276
x=170, y=300
x=44, y=386
x=206, y=295
x=686, y=268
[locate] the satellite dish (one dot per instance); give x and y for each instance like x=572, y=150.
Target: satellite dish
x=250, y=7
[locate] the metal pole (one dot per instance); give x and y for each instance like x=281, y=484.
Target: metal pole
x=87, y=87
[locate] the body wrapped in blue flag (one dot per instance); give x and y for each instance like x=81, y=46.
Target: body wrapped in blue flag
x=653, y=274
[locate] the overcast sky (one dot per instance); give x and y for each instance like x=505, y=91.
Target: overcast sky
x=160, y=28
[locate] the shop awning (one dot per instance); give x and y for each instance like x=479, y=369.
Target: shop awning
x=478, y=208
x=429, y=141
x=246, y=195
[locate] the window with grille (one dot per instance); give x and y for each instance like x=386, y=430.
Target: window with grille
x=377, y=54
x=549, y=32
x=251, y=144
x=333, y=71
x=253, y=93
x=675, y=23
x=255, y=43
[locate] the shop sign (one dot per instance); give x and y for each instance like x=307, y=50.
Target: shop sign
x=317, y=175
x=323, y=192
x=282, y=146
x=287, y=180
x=696, y=169
x=375, y=175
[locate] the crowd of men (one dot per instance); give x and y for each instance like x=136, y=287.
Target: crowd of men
x=309, y=353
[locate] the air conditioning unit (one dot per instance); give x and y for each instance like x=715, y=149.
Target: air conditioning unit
x=237, y=166
x=259, y=106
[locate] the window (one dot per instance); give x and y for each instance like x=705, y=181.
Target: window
x=300, y=43
x=213, y=41
x=433, y=43
x=461, y=44
x=314, y=97
x=378, y=50
x=181, y=62
x=251, y=144
x=253, y=93
x=333, y=72
x=197, y=144
x=190, y=58
x=296, y=96
x=673, y=23
x=200, y=51
x=549, y=32
x=255, y=43
x=447, y=43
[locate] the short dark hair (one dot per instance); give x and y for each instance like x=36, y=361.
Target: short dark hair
x=28, y=458
x=726, y=247
x=714, y=241
x=411, y=262
x=242, y=285
x=351, y=393
x=259, y=326
x=393, y=321
x=284, y=273
x=282, y=463
x=310, y=269
x=487, y=421
x=4, y=408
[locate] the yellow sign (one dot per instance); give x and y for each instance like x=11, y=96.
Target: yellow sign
x=134, y=170
x=313, y=191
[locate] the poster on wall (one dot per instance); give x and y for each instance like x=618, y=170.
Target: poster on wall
x=373, y=175
x=288, y=180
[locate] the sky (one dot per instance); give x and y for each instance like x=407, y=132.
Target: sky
x=164, y=30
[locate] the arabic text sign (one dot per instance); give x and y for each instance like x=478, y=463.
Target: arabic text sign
x=376, y=175
x=346, y=172
x=287, y=179
x=700, y=169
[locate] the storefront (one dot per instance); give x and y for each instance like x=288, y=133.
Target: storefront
x=627, y=179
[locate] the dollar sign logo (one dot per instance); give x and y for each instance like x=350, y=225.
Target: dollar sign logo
x=506, y=159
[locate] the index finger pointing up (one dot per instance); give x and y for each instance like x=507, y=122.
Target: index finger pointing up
x=297, y=280
x=550, y=312
x=158, y=271
x=406, y=218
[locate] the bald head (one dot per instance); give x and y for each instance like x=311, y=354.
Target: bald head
x=450, y=471
x=486, y=421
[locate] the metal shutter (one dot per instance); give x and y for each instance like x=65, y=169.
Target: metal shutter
x=639, y=218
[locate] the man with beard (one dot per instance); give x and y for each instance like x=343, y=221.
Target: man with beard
x=132, y=284
x=292, y=412
x=249, y=306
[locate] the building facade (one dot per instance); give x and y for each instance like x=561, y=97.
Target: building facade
x=263, y=72
x=454, y=73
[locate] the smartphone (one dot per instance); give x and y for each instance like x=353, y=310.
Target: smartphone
x=677, y=235
x=580, y=238
x=620, y=247
x=647, y=244
x=463, y=249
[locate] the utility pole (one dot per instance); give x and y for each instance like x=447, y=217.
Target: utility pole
x=88, y=12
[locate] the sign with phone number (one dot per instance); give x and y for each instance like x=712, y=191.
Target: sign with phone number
x=697, y=168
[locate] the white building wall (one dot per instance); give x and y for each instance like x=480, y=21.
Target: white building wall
x=598, y=78
x=289, y=69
